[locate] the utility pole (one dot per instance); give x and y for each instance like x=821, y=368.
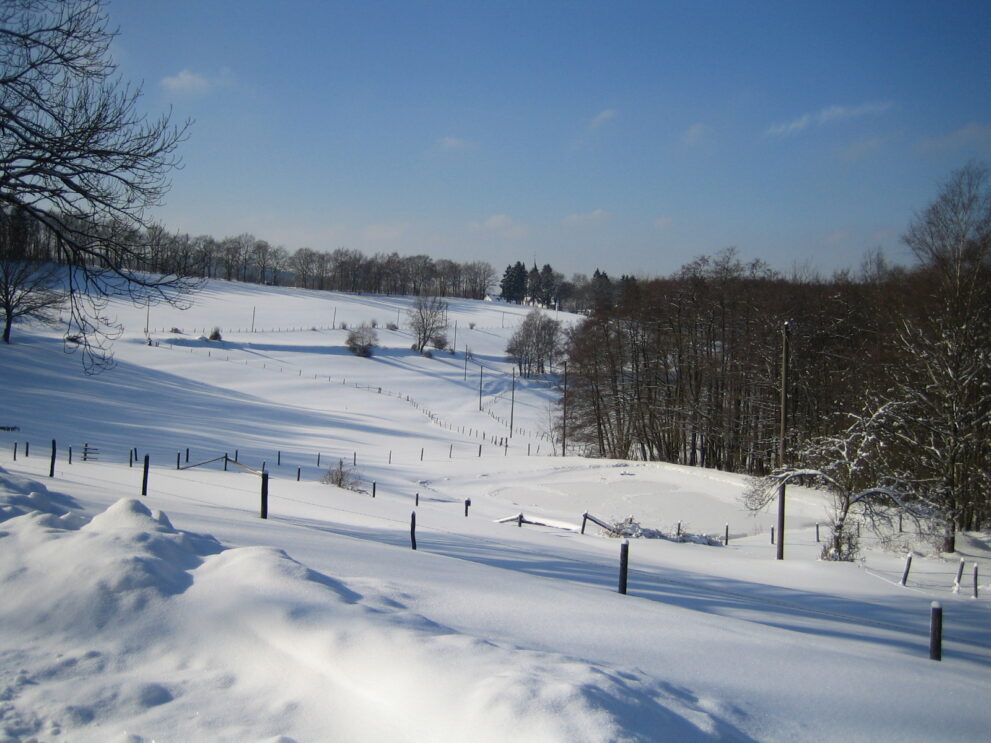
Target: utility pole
x=564, y=413
x=785, y=336
x=512, y=404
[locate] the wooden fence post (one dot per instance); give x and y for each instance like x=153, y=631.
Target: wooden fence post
x=412, y=529
x=726, y=536
x=936, y=631
x=15, y=451
x=772, y=535
x=975, y=581
x=817, y=532
x=51, y=469
x=298, y=469
x=373, y=488
x=144, y=478
x=624, y=564
x=584, y=521
x=130, y=456
x=264, y=505
x=467, y=505
x=956, y=581
x=417, y=501
x=908, y=566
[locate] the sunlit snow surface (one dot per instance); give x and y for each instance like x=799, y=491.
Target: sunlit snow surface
x=183, y=616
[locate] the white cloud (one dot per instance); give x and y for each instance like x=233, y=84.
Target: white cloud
x=972, y=136
x=192, y=83
x=828, y=115
x=597, y=216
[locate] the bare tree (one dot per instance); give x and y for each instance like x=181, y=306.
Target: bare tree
x=78, y=157
x=29, y=287
x=427, y=318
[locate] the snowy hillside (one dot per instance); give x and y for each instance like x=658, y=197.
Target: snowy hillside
x=183, y=616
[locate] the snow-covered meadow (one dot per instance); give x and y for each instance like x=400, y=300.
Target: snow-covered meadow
x=183, y=616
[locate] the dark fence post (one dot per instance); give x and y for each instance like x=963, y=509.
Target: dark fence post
x=479, y=450
x=51, y=469
x=519, y=520
x=936, y=632
x=467, y=505
x=187, y=455
x=412, y=529
x=908, y=566
x=417, y=499
x=772, y=535
x=144, y=478
x=318, y=459
x=278, y=459
x=421, y=453
x=817, y=532
x=27, y=449
x=178, y=460
x=298, y=470
x=624, y=564
x=130, y=456
x=956, y=582
x=15, y=451
x=678, y=534
x=726, y=536
x=70, y=455
x=975, y=581
x=264, y=508
x=584, y=521
x=374, y=486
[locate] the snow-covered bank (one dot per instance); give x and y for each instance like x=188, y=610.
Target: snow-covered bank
x=183, y=616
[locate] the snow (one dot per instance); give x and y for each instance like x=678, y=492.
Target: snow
x=183, y=616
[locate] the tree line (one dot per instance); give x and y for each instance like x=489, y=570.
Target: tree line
x=892, y=362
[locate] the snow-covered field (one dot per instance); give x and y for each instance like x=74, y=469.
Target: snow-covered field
x=183, y=616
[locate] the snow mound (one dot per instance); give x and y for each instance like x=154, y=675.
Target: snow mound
x=165, y=635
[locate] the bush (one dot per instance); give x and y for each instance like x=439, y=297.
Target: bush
x=176, y=331
x=439, y=341
x=342, y=476
x=215, y=335
x=391, y=326
x=362, y=340
x=344, y=326
x=471, y=326
x=375, y=323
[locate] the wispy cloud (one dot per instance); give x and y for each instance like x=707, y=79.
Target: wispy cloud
x=972, y=136
x=593, y=125
x=453, y=144
x=662, y=223
x=602, y=117
x=596, y=216
x=384, y=232
x=190, y=83
x=828, y=115
x=499, y=224
x=697, y=135
x=860, y=149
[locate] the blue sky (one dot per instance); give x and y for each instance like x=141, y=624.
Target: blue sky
x=626, y=136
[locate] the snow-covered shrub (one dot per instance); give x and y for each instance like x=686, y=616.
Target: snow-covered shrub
x=342, y=476
x=215, y=335
x=362, y=340
x=439, y=341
